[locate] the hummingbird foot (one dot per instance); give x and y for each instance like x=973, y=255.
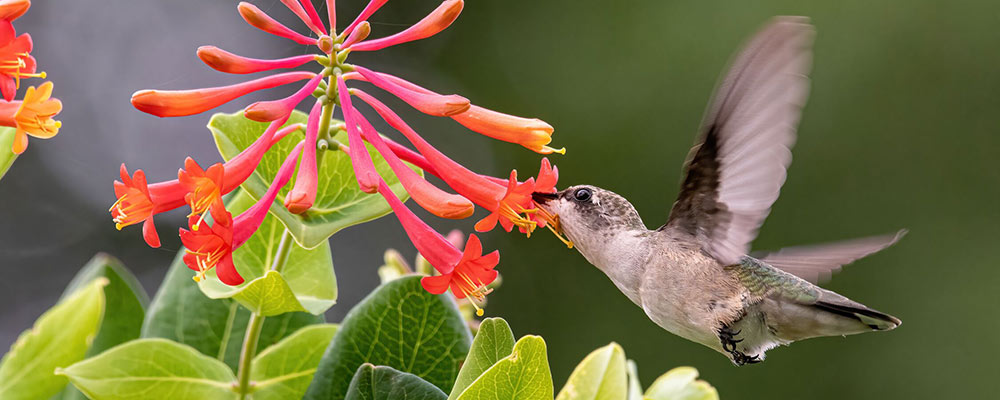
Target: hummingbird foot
x=729, y=341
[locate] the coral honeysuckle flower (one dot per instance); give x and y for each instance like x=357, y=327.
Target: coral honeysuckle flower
x=303, y=194
x=16, y=61
x=179, y=103
x=367, y=12
x=516, y=201
x=307, y=13
x=358, y=34
x=224, y=61
x=428, y=103
x=31, y=116
x=267, y=111
x=203, y=187
x=466, y=273
x=532, y=133
x=428, y=196
x=12, y=9
x=138, y=202
x=432, y=24
x=213, y=247
x=361, y=161
x=260, y=20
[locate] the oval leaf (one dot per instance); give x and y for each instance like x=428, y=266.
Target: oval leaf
x=152, y=369
x=493, y=342
x=523, y=375
x=600, y=376
x=398, y=325
x=385, y=383
x=59, y=338
x=284, y=370
x=339, y=201
x=180, y=312
x=306, y=283
x=7, y=157
x=124, y=312
x=681, y=383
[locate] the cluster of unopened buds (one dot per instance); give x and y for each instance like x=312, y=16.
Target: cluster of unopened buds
x=32, y=115
x=211, y=244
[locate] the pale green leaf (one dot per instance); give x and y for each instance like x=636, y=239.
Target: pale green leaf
x=306, y=283
x=59, y=338
x=681, y=383
x=181, y=312
x=600, y=376
x=7, y=156
x=523, y=375
x=125, y=307
x=493, y=342
x=339, y=202
x=385, y=383
x=152, y=369
x=634, y=387
x=399, y=325
x=284, y=370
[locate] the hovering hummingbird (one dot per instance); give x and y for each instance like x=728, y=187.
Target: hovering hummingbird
x=692, y=276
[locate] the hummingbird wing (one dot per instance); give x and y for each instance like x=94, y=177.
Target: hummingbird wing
x=737, y=167
x=816, y=263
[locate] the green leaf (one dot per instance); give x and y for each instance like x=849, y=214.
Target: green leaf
x=59, y=338
x=7, y=156
x=600, y=376
x=339, y=202
x=681, y=384
x=493, y=342
x=399, y=325
x=180, y=312
x=634, y=387
x=152, y=369
x=523, y=375
x=125, y=308
x=385, y=383
x=306, y=283
x=284, y=370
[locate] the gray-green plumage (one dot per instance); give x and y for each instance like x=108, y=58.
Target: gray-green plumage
x=693, y=275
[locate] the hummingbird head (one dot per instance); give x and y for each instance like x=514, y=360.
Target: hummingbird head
x=590, y=216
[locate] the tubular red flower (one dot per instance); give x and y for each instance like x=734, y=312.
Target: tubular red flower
x=370, y=9
x=260, y=20
x=135, y=204
x=364, y=168
x=227, y=62
x=179, y=103
x=12, y=9
x=428, y=103
x=331, y=14
x=211, y=247
x=303, y=194
x=516, y=201
x=309, y=17
x=432, y=24
x=267, y=111
x=358, y=34
x=16, y=61
x=411, y=157
x=31, y=116
x=532, y=133
x=428, y=196
x=245, y=224
x=203, y=187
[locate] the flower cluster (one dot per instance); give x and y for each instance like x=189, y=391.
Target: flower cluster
x=466, y=272
x=32, y=115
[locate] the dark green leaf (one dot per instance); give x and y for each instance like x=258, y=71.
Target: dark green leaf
x=493, y=342
x=398, y=325
x=306, y=283
x=125, y=307
x=180, y=312
x=284, y=370
x=385, y=383
x=339, y=202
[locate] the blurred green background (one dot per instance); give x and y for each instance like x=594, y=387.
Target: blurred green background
x=900, y=131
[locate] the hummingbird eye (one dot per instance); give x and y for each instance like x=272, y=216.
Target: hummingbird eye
x=583, y=194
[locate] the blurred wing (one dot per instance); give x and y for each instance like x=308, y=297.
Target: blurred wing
x=735, y=171
x=816, y=263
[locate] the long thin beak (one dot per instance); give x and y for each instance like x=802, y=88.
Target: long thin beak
x=542, y=198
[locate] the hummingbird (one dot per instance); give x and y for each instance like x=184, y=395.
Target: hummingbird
x=694, y=276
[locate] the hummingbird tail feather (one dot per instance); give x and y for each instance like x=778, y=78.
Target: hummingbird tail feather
x=876, y=320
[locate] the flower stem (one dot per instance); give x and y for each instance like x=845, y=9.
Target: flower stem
x=252, y=336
